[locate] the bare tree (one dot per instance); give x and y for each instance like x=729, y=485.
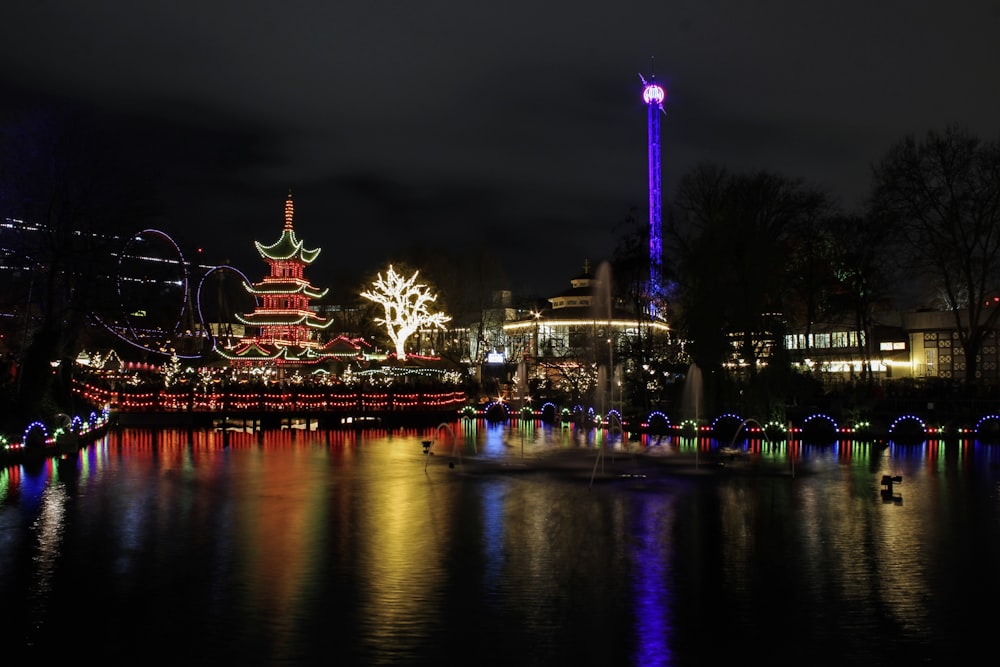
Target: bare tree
x=407, y=307
x=944, y=193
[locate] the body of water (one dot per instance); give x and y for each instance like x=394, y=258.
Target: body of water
x=505, y=544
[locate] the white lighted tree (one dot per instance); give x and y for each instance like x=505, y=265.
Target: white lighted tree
x=171, y=370
x=407, y=307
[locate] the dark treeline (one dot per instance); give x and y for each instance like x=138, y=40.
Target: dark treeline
x=752, y=255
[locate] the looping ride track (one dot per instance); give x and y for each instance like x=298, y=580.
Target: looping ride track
x=160, y=302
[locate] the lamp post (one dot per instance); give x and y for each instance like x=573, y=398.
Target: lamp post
x=535, y=351
x=611, y=372
x=537, y=315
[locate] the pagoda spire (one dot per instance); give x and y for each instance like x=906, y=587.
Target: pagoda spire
x=289, y=211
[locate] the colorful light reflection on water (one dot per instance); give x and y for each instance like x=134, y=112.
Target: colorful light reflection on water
x=528, y=543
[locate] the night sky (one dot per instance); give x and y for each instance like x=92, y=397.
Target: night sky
x=514, y=126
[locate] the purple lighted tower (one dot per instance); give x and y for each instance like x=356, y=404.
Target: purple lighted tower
x=653, y=95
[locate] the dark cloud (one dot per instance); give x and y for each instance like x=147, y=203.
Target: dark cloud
x=515, y=127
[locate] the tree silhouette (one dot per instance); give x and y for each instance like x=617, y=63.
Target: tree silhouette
x=79, y=180
x=733, y=238
x=858, y=254
x=944, y=194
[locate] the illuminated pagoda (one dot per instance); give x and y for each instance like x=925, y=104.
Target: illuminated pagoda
x=287, y=326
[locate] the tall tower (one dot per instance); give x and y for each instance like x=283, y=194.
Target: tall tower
x=654, y=95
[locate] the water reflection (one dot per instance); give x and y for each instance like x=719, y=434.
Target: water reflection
x=48, y=534
x=676, y=555
x=652, y=560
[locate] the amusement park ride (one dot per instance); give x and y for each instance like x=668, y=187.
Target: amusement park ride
x=166, y=305
x=653, y=96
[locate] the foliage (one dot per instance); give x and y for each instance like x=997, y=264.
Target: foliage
x=733, y=239
x=81, y=182
x=573, y=379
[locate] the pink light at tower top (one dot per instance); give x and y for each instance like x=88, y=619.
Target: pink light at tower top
x=653, y=94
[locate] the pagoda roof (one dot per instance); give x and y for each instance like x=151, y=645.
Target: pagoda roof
x=342, y=346
x=257, y=351
x=249, y=349
x=307, y=318
x=285, y=287
x=296, y=353
x=288, y=246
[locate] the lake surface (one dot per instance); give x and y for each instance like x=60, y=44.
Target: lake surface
x=506, y=544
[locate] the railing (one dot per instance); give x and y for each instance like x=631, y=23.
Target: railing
x=261, y=399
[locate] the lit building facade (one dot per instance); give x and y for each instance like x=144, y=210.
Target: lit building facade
x=581, y=333
x=922, y=345
x=936, y=348
x=836, y=352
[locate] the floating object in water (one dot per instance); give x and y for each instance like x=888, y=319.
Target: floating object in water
x=887, y=494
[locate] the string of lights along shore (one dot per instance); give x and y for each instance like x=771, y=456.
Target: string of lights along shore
x=654, y=95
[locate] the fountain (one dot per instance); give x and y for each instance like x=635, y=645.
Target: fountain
x=428, y=444
x=522, y=384
x=691, y=396
x=732, y=444
x=732, y=451
x=601, y=310
x=455, y=451
x=427, y=452
x=602, y=382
